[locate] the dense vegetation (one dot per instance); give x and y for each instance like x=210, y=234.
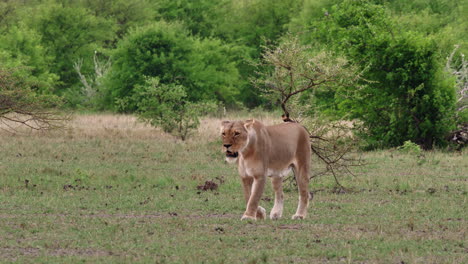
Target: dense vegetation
x=96, y=55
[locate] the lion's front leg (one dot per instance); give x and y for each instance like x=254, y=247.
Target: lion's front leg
x=247, y=187
x=277, y=210
x=253, y=193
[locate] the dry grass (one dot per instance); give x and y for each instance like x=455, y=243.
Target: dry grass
x=111, y=125
x=95, y=126
x=128, y=126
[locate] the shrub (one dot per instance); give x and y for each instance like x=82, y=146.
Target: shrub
x=410, y=148
x=21, y=51
x=409, y=98
x=165, y=106
x=67, y=35
x=203, y=66
x=22, y=106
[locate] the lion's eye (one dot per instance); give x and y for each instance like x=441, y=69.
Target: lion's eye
x=236, y=133
x=224, y=134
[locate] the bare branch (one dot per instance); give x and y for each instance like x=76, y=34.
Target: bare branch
x=460, y=71
x=92, y=84
x=295, y=71
x=21, y=107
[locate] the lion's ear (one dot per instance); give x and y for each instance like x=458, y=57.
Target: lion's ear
x=248, y=124
x=223, y=125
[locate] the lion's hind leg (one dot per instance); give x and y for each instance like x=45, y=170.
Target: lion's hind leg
x=302, y=179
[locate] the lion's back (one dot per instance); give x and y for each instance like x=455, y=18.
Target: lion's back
x=287, y=131
x=289, y=137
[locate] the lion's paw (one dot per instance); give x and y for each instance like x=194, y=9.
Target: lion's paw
x=275, y=215
x=248, y=218
x=297, y=216
x=261, y=213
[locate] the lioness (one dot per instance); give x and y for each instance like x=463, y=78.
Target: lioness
x=268, y=151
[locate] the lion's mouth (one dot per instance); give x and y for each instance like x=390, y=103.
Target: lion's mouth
x=230, y=154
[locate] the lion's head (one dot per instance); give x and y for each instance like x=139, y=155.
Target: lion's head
x=235, y=137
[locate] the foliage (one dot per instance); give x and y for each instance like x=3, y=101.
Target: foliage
x=22, y=106
x=92, y=91
x=211, y=73
x=292, y=70
x=400, y=45
x=155, y=50
x=198, y=16
x=8, y=11
x=444, y=20
x=410, y=148
x=165, y=106
x=460, y=72
x=69, y=34
x=166, y=50
x=124, y=14
x=294, y=76
x=21, y=49
x=268, y=18
x=410, y=99
x=249, y=25
x=311, y=11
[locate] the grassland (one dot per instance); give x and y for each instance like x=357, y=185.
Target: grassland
x=112, y=190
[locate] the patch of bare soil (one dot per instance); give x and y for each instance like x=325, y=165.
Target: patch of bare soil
x=209, y=185
x=135, y=216
x=291, y=227
x=13, y=253
x=284, y=226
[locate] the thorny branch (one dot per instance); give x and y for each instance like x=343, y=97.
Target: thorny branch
x=22, y=107
x=295, y=71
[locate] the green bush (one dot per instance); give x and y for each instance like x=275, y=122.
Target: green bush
x=407, y=98
x=69, y=34
x=21, y=51
x=410, y=148
x=20, y=105
x=205, y=67
x=166, y=106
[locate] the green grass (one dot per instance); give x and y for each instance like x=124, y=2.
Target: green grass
x=119, y=197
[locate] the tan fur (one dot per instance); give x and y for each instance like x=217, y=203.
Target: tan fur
x=268, y=151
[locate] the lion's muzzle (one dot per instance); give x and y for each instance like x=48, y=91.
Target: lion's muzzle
x=230, y=154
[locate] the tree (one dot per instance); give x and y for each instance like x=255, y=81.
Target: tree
x=93, y=88
x=166, y=106
x=460, y=72
x=292, y=70
x=458, y=67
x=294, y=76
x=68, y=34
x=124, y=14
x=205, y=67
x=198, y=16
x=409, y=97
x=7, y=13
x=211, y=72
x=21, y=49
x=249, y=24
x=21, y=106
